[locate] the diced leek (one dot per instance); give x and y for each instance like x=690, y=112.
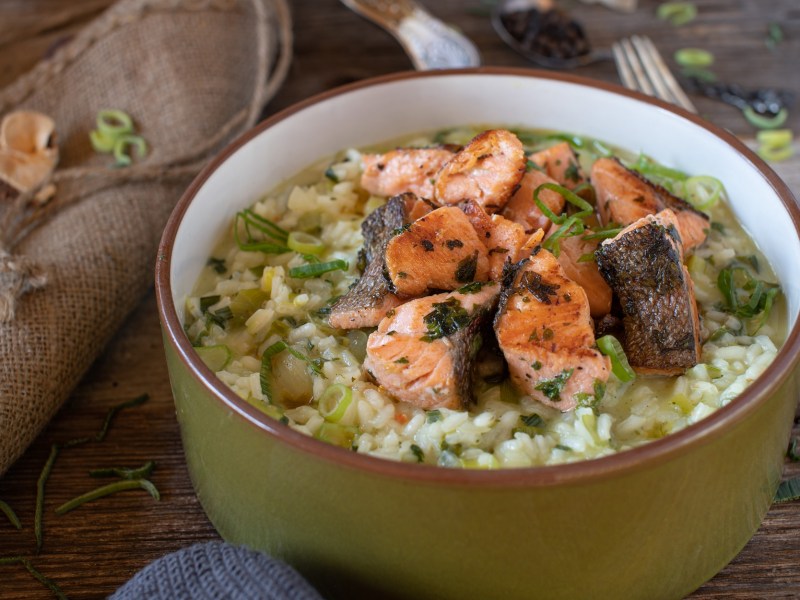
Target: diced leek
x=305, y=243
x=335, y=401
x=266, y=280
x=683, y=403
x=216, y=357
x=696, y=265
x=610, y=346
x=246, y=302
x=338, y=435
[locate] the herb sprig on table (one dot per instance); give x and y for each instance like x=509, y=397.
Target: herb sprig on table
x=129, y=478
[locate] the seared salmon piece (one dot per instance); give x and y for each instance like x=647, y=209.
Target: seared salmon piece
x=545, y=332
x=522, y=209
x=503, y=239
x=424, y=350
x=585, y=273
x=625, y=196
x=368, y=301
x=487, y=170
x=440, y=251
x=643, y=264
x=561, y=163
x=403, y=170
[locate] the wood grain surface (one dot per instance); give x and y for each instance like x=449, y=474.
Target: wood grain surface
x=96, y=548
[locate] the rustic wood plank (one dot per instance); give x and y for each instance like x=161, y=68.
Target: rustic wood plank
x=93, y=550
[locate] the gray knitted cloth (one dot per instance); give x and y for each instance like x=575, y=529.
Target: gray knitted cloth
x=216, y=570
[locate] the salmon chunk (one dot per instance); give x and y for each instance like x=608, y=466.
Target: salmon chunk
x=440, y=251
x=403, y=170
x=423, y=351
x=487, y=170
x=522, y=209
x=367, y=302
x=644, y=267
x=560, y=163
x=625, y=196
x=585, y=272
x=545, y=332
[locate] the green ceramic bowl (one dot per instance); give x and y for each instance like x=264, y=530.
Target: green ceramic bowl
x=653, y=522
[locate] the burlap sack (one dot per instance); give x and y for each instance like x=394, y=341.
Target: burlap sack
x=192, y=74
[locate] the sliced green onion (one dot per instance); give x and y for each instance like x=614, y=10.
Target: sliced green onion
x=101, y=142
x=788, y=490
x=113, y=122
x=610, y=346
x=694, y=57
x=703, y=191
x=650, y=168
x=215, y=357
x=677, y=13
x=305, y=243
x=765, y=122
x=586, y=209
x=775, y=153
x=317, y=269
x=775, y=137
x=553, y=242
x=111, y=488
x=247, y=219
x=335, y=401
x=611, y=230
x=123, y=143
x=588, y=257
x=10, y=514
x=125, y=473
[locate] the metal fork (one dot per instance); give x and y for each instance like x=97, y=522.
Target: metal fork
x=642, y=69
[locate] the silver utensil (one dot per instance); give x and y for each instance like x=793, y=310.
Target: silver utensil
x=429, y=42
x=642, y=69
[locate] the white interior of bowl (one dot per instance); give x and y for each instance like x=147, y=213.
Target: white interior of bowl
x=391, y=109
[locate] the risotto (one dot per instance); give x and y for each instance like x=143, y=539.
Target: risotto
x=259, y=318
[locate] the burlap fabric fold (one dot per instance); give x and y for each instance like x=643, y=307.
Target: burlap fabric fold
x=192, y=74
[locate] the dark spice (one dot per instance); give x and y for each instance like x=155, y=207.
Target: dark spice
x=427, y=244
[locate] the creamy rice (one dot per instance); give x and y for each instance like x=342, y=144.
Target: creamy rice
x=502, y=429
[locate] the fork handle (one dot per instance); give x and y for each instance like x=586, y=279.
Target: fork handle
x=429, y=43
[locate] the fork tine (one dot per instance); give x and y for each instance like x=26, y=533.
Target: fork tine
x=641, y=68
x=662, y=77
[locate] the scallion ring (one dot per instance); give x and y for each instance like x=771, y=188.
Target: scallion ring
x=775, y=137
x=334, y=402
x=101, y=142
x=775, y=153
x=677, y=13
x=125, y=142
x=305, y=243
x=113, y=122
x=703, y=191
x=694, y=57
x=610, y=346
x=765, y=122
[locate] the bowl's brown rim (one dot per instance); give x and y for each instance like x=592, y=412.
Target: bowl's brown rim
x=644, y=456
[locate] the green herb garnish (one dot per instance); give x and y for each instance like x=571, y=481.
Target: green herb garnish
x=610, y=346
x=445, y=319
x=466, y=268
x=317, y=269
x=735, y=281
x=417, y=451
x=402, y=361
x=272, y=238
x=471, y=288
x=218, y=264
x=532, y=420
x=552, y=388
x=433, y=415
x=330, y=174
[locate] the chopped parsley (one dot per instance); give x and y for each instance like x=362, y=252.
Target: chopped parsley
x=402, y=361
x=434, y=415
x=417, y=451
x=532, y=420
x=218, y=264
x=571, y=173
x=465, y=271
x=221, y=316
x=536, y=365
x=403, y=229
x=330, y=174
x=445, y=319
x=471, y=288
x=207, y=302
x=552, y=388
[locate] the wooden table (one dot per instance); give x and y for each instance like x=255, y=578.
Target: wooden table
x=93, y=550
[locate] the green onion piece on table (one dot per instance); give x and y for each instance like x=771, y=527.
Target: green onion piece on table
x=610, y=346
x=125, y=143
x=317, y=269
x=111, y=488
x=45, y=581
x=101, y=142
x=40, y=484
x=335, y=401
x=775, y=137
x=694, y=57
x=765, y=122
x=305, y=243
x=113, y=122
x=677, y=13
